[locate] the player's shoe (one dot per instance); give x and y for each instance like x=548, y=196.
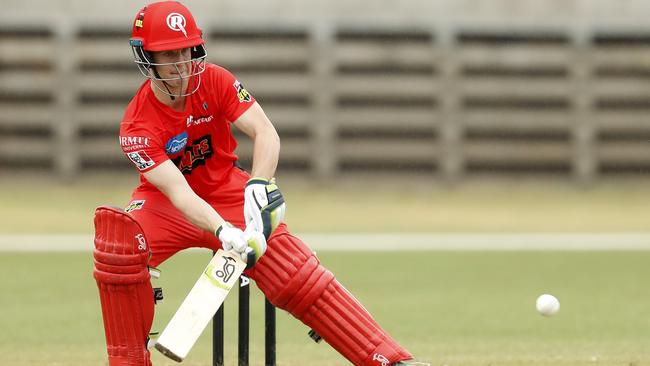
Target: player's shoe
x=411, y=363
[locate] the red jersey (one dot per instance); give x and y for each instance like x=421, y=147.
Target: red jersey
x=197, y=140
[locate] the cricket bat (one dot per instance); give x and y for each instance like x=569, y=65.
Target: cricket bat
x=200, y=305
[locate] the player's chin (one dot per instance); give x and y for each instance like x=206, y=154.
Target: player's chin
x=175, y=81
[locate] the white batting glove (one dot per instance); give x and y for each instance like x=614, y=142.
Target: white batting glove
x=256, y=246
x=264, y=206
x=231, y=237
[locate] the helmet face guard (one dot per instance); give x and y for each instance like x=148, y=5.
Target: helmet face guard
x=147, y=67
x=166, y=26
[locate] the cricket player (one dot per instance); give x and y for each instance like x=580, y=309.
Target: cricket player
x=177, y=132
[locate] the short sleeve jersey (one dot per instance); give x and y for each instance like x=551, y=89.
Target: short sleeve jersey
x=197, y=140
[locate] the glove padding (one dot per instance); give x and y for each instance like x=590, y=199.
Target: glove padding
x=231, y=237
x=250, y=244
x=256, y=246
x=264, y=206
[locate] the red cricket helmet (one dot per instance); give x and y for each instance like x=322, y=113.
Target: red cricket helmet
x=163, y=26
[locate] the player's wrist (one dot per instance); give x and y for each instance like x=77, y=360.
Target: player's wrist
x=225, y=224
x=257, y=180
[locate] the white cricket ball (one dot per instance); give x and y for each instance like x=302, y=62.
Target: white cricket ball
x=547, y=305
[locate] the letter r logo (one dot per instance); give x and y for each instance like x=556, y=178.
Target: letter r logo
x=176, y=22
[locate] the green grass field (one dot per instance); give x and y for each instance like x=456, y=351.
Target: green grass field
x=42, y=206
x=453, y=308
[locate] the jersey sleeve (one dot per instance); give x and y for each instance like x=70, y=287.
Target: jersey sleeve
x=234, y=99
x=141, y=147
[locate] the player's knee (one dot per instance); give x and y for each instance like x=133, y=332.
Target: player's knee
x=308, y=285
x=291, y=275
x=121, y=251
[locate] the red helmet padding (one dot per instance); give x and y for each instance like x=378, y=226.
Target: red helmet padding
x=166, y=25
x=121, y=255
x=292, y=278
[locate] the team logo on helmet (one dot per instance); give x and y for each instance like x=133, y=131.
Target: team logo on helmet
x=176, y=22
x=139, y=22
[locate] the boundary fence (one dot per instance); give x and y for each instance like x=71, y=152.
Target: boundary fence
x=451, y=103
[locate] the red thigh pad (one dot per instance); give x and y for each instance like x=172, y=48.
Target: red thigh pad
x=121, y=255
x=292, y=278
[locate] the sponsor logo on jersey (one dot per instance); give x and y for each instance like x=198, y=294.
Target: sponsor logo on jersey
x=130, y=143
x=134, y=205
x=176, y=22
x=176, y=143
x=194, y=155
x=242, y=93
x=141, y=160
x=199, y=120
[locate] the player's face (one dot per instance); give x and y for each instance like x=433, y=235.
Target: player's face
x=178, y=69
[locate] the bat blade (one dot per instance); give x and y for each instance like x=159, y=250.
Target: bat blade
x=200, y=305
